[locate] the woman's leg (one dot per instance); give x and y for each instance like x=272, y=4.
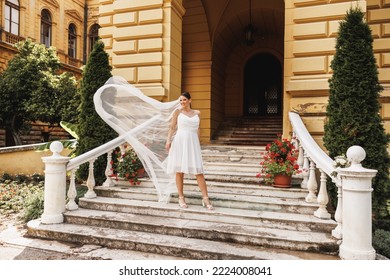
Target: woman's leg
x=203, y=188
x=179, y=185
x=202, y=184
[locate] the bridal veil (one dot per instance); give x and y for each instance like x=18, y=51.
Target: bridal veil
x=144, y=123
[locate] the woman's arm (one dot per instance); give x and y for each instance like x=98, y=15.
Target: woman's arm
x=172, y=129
x=198, y=113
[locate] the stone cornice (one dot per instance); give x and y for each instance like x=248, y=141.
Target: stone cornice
x=53, y=3
x=74, y=14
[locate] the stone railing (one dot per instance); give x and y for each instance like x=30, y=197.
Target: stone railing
x=56, y=169
x=9, y=38
x=353, y=211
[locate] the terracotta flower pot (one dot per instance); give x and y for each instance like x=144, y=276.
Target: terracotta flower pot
x=282, y=181
x=141, y=173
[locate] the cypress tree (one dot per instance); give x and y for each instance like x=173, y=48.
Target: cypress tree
x=92, y=130
x=353, y=110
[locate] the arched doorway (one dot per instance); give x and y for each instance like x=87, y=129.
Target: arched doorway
x=263, y=86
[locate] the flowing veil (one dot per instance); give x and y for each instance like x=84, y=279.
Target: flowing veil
x=144, y=123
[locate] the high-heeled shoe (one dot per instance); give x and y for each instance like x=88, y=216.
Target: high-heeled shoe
x=206, y=203
x=182, y=203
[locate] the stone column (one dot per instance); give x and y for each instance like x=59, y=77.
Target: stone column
x=357, y=212
x=55, y=185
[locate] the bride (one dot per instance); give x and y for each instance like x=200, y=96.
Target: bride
x=144, y=123
x=185, y=155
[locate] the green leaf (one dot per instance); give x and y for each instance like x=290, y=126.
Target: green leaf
x=70, y=128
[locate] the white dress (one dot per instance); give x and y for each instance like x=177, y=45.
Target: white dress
x=185, y=154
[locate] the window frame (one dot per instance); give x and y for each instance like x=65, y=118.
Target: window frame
x=93, y=36
x=8, y=22
x=46, y=35
x=72, y=41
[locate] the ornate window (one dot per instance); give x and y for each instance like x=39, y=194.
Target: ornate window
x=93, y=36
x=12, y=17
x=46, y=26
x=72, y=41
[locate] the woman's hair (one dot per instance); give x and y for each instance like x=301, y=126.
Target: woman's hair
x=186, y=95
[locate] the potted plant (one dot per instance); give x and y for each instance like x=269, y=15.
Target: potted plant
x=128, y=166
x=279, y=163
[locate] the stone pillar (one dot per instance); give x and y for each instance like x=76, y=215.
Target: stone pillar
x=55, y=185
x=357, y=211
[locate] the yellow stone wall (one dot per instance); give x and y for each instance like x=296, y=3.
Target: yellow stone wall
x=63, y=13
x=196, y=74
x=143, y=39
x=25, y=161
x=311, y=29
x=378, y=16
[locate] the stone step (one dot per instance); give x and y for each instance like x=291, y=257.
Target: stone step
x=269, y=137
x=225, y=214
x=189, y=248
x=248, y=131
x=245, y=139
x=241, y=141
x=232, y=167
x=256, y=129
x=227, y=149
x=233, y=188
x=221, y=229
x=215, y=154
x=217, y=158
x=193, y=197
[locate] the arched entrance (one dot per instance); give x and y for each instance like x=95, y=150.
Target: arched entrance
x=215, y=55
x=263, y=86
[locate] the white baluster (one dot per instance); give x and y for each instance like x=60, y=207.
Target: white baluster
x=322, y=199
x=305, y=171
x=338, y=216
x=55, y=185
x=312, y=184
x=72, y=193
x=294, y=141
x=90, y=182
x=300, y=159
x=108, y=172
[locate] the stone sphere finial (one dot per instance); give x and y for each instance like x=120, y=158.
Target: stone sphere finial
x=356, y=154
x=56, y=148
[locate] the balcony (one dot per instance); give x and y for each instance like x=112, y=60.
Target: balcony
x=9, y=38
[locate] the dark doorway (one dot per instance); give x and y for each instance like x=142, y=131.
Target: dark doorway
x=263, y=86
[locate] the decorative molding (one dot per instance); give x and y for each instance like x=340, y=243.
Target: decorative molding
x=178, y=7
x=74, y=14
x=52, y=3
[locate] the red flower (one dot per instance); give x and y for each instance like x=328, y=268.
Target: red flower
x=280, y=158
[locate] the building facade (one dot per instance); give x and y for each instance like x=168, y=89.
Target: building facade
x=236, y=57
x=70, y=26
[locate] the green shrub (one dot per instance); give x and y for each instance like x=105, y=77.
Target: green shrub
x=81, y=190
x=6, y=177
x=383, y=223
x=353, y=110
x=21, y=178
x=34, y=206
x=381, y=242
x=92, y=130
x=36, y=178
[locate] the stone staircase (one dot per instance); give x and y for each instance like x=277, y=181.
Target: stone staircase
x=253, y=131
x=250, y=221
